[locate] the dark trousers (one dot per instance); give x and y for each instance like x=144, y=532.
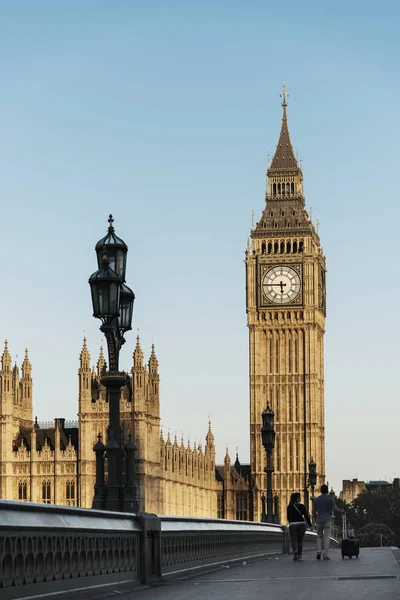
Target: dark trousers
x=297, y=532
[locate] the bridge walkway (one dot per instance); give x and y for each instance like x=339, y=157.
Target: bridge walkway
x=376, y=574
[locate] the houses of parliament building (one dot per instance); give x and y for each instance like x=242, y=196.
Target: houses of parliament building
x=54, y=462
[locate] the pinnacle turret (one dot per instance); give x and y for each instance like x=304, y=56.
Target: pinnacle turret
x=153, y=362
x=84, y=356
x=26, y=366
x=101, y=363
x=138, y=355
x=6, y=358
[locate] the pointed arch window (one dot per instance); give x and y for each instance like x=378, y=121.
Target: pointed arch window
x=270, y=356
x=301, y=244
x=70, y=493
x=274, y=190
x=282, y=247
x=277, y=405
x=263, y=248
x=294, y=246
x=269, y=247
x=46, y=492
x=22, y=490
x=296, y=355
x=277, y=355
x=292, y=189
x=276, y=248
x=290, y=354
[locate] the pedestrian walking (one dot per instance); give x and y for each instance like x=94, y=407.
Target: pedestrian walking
x=298, y=519
x=322, y=511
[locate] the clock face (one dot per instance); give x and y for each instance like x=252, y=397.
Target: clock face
x=281, y=284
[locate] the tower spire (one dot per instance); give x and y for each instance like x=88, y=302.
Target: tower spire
x=284, y=157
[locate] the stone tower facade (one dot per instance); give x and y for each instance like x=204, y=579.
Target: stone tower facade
x=286, y=309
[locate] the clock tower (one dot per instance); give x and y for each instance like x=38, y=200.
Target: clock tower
x=286, y=309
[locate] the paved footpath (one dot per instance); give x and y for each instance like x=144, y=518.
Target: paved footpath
x=375, y=575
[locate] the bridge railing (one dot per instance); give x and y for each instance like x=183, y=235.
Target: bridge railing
x=47, y=548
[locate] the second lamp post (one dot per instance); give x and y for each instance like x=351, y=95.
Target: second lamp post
x=312, y=477
x=268, y=440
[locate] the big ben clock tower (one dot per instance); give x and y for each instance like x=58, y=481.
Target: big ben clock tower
x=286, y=309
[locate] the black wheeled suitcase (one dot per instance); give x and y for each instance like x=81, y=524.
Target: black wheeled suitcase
x=349, y=546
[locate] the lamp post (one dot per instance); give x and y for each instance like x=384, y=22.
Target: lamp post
x=113, y=305
x=312, y=477
x=268, y=440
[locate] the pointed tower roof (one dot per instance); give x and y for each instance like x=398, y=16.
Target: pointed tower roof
x=6, y=356
x=101, y=363
x=26, y=365
x=237, y=464
x=138, y=355
x=209, y=436
x=284, y=157
x=84, y=355
x=153, y=362
x=227, y=459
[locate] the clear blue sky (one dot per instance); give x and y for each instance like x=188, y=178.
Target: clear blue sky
x=163, y=114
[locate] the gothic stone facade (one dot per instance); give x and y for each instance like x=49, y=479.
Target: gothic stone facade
x=54, y=462
x=285, y=288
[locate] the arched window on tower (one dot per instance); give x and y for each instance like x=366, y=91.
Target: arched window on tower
x=276, y=248
x=282, y=247
x=301, y=246
x=296, y=355
x=294, y=246
x=288, y=247
x=277, y=355
x=279, y=189
x=263, y=248
x=274, y=189
x=290, y=354
x=283, y=189
x=292, y=188
x=269, y=247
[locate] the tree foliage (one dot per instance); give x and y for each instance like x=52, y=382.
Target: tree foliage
x=374, y=534
x=378, y=507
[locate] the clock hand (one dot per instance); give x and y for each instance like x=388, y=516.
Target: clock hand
x=280, y=284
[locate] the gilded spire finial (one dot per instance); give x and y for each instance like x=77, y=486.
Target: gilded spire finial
x=284, y=94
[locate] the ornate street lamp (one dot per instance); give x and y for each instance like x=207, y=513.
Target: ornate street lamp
x=113, y=305
x=312, y=478
x=268, y=440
